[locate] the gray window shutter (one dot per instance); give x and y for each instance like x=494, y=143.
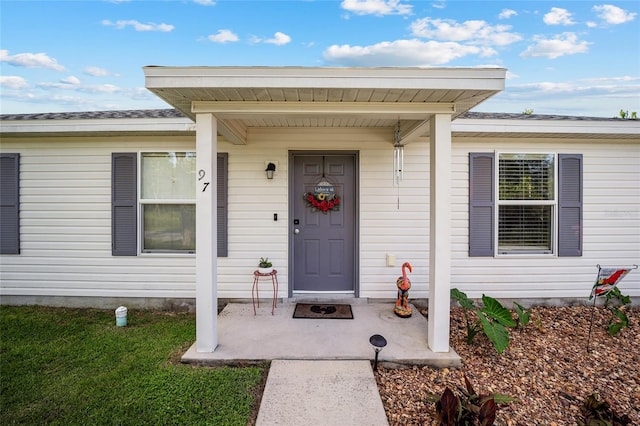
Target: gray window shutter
x=124, y=202
x=222, y=204
x=570, y=205
x=9, y=203
x=481, y=204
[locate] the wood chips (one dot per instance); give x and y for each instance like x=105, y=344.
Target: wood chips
x=546, y=366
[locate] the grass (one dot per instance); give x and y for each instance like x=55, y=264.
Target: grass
x=74, y=366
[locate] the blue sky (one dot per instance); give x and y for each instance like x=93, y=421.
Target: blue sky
x=563, y=57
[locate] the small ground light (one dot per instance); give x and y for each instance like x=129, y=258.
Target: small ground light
x=378, y=342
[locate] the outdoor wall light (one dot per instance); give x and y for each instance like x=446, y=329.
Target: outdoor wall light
x=378, y=342
x=270, y=170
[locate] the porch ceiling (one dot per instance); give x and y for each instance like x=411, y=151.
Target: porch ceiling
x=245, y=97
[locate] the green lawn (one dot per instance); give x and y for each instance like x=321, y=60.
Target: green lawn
x=74, y=366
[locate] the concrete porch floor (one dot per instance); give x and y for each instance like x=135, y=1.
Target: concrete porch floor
x=245, y=338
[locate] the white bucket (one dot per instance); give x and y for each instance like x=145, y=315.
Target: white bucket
x=121, y=316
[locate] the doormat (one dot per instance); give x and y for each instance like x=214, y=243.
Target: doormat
x=318, y=311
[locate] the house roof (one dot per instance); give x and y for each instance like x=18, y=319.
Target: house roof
x=172, y=121
x=477, y=124
x=140, y=122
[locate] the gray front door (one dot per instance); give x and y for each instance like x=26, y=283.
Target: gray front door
x=323, y=243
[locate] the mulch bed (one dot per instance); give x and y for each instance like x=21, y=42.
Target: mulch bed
x=546, y=366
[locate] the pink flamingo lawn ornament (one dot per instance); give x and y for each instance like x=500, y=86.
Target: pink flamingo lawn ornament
x=402, y=308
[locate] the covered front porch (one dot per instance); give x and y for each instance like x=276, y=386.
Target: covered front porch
x=246, y=338
x=238, y=106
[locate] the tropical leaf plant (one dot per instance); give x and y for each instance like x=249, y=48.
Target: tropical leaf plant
x=494, y=309
x=493, y=319
x=473, y=327
x=617, y=302
x=496, y=332
x=524, y=315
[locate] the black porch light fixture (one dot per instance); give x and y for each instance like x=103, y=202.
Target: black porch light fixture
x=378, y=342
x=270, y=170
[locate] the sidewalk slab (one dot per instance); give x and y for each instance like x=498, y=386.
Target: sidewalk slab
x=318, y=393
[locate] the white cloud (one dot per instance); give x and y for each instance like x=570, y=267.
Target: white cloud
x=595, y=97
x=625, y=78
x=102, y=88
x=73, y=80
x=561, y=45
x=73, y=84
x=56, y=97
x=558, y=16
x=401, y=53
x=613, y=15
x=98, y=72
x=13, y=82
x=205, y=2
x=507, y=13
x=475, y=31
x=376, y=7
x=279, y=39
x=223, y=36
x=31, y=60
x=138, y=26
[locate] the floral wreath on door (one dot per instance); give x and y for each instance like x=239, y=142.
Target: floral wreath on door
x=322, y=201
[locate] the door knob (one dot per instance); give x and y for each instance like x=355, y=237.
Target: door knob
x=296, y=231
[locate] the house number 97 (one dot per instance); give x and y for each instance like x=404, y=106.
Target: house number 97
x=201, y=175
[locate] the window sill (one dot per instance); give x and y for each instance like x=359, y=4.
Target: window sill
x=165, y=254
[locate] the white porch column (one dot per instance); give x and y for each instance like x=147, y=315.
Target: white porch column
x=440, y=233
x=206, y=233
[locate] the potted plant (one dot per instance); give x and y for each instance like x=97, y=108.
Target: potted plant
x=264, y=266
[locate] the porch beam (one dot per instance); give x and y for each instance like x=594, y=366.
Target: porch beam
x=414, y=131
x=440, y=233
x=402, y=110
x=206, y=227
x=235, y=131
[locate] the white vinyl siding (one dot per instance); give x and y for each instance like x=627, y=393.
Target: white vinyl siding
x=66, y=217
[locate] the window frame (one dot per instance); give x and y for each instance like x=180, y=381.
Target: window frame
x=552, y=252
x=141, y=202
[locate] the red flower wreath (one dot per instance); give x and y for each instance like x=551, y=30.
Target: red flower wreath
x=322, y=202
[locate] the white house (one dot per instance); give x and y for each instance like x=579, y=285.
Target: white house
x=166, y=206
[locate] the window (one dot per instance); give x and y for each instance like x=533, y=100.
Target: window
x=167, y=202
x=166, y=205
x=532, y=205
x=526, y=203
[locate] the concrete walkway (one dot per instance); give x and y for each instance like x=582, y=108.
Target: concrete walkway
x=321, y=393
